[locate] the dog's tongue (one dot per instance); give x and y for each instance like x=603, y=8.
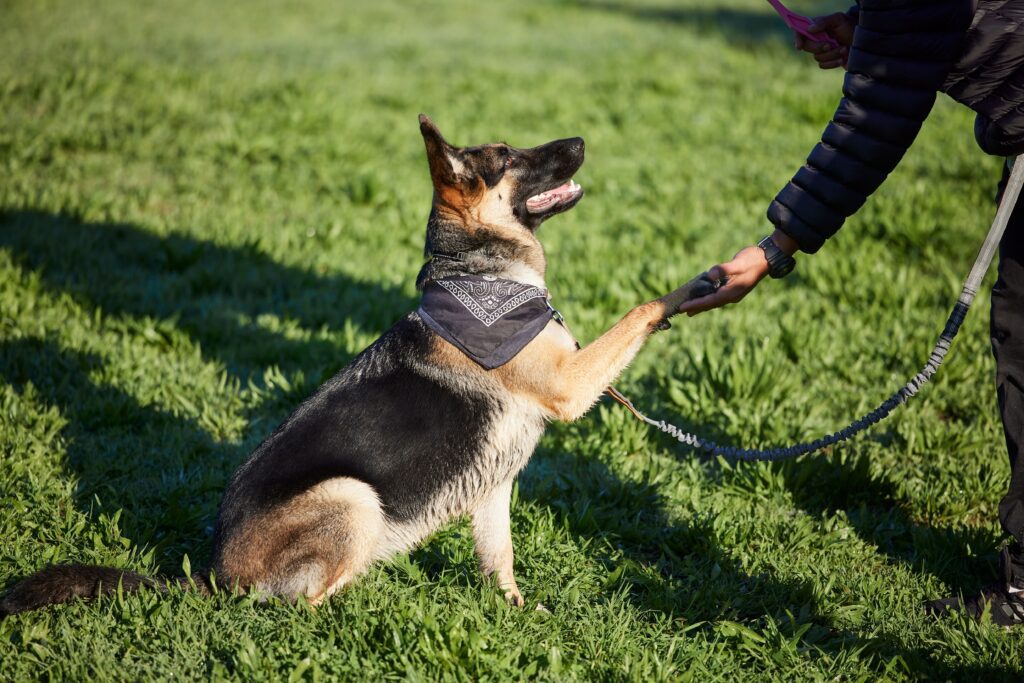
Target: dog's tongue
x=542, y=201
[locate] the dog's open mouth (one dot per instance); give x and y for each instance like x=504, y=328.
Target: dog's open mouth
x=558, y=197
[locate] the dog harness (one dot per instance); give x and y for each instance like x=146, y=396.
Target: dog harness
x=488, y=319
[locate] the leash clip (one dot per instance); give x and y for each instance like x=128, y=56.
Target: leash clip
x=556, y=314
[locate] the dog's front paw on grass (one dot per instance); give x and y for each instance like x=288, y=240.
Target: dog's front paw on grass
x=514, y=597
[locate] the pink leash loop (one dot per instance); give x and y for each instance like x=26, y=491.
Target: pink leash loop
x=799, y=23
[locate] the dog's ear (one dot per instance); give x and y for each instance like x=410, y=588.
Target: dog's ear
x=445, y=167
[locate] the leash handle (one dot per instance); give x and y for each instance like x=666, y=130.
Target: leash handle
x=988, y=249
x=621, y=398
x=800, y=24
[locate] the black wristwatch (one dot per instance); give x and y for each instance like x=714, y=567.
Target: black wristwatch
x=780, y=264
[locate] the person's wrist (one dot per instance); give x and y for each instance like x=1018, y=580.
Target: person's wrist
x=779, y=262
x=763, y=267
x=785, y=242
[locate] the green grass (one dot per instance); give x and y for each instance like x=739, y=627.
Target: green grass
x=206, y=211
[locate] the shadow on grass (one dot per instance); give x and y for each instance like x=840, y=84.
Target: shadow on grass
x=168, y=497
x=680, y=568
x=677, y=568
x=822, y=485
x=214, y=293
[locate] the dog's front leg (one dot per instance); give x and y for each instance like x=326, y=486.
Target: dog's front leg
x=581, y=378
x=492, y=534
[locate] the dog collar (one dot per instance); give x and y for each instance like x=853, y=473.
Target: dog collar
x=450, y=256
x=488, y=319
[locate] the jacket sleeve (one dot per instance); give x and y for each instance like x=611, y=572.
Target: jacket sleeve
x=989, y=76
x=997, y=139
x=901, y=53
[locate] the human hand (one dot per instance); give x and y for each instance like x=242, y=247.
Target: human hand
x=741, y=275
x=840, y=27
x=699, y=287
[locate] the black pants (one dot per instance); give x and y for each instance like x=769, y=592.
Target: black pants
x=1007, y=327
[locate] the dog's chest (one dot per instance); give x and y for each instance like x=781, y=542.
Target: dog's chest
x=511, y=436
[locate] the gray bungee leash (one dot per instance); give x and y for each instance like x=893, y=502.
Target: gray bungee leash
x=941, y=348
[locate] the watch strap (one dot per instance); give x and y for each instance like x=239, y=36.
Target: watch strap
x=780, y=264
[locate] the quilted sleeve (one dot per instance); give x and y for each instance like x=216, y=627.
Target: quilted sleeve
x=902, y=51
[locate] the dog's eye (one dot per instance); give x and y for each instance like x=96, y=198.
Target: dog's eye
x=509, y=160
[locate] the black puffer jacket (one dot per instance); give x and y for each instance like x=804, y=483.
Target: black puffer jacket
x=904, y=51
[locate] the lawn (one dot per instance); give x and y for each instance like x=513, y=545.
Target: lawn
x=206, y=209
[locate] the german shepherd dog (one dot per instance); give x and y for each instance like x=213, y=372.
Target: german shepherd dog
x=413, y=432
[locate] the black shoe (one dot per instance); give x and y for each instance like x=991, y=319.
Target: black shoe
x=1004, y=607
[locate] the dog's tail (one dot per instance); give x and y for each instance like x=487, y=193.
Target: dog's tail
x=66, y=582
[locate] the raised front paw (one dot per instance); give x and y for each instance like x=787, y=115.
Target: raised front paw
x=700, y=286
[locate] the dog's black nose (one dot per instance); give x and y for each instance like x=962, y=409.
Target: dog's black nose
x=576, y=145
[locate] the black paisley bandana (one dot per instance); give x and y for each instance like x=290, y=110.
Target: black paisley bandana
x=489, y=320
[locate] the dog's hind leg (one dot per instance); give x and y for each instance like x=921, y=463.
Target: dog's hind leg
x=492, y=535
x=364, y=529
x=358, y=527
x=310, y=546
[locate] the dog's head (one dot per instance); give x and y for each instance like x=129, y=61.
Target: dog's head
x=501, y=187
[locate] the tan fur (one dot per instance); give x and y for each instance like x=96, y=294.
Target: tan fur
x=492, y=534
x=567, y=381
x=550, y=379
x=491, y=207
x=455, y=200
x=312, y=545
x=562, y=380
x=514, y=431
x=479, y=208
